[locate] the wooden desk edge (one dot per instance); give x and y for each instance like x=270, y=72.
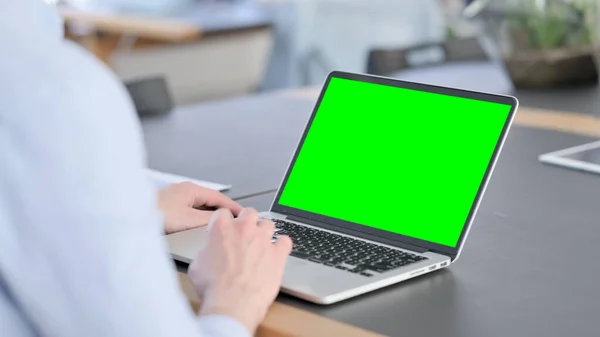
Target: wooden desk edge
x=583, y=124
x=120, y=24
x=284, y=320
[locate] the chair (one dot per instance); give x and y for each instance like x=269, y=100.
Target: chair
x=331, y=35
x=150, y=95
x=384, y=62
x=463, y=64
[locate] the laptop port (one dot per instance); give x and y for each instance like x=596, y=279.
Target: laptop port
x=417, y=272
x=432, y=268
x=444, y=264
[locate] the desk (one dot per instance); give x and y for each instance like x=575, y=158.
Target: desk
x=491, y=76
x=223, y=142
x=208, y=51
x=528, y=268
x=115, y=26
x=513, y=279
x=190, y=25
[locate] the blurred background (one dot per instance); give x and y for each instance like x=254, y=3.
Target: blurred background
x=177, y=52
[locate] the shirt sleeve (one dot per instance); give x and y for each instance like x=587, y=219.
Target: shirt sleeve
x=81, y=245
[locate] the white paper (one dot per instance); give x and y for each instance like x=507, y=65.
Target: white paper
x=163, y=178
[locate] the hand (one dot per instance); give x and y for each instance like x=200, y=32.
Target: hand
x=238, y=273
x=185, y=205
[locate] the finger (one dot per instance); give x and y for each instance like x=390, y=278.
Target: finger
x=193, y=218
x=247, y=222
x=220, y=219
x=267, y=227
x=283, y=247
x=211, y=198
x=248, y=215
x=188, y=218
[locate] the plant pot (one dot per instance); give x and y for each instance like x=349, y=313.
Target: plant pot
x=552, y=68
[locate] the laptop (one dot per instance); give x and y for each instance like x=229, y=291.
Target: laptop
x=383, y=186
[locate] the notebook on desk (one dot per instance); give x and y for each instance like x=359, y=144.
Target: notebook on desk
x=162, y=179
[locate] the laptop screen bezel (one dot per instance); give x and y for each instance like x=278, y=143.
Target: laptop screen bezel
x=369, y=232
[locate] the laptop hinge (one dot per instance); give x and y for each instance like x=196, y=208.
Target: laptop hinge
x=357, y=234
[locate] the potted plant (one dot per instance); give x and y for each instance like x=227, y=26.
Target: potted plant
x=546, y=43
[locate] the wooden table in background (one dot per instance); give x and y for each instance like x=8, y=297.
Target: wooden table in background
x=104, y=31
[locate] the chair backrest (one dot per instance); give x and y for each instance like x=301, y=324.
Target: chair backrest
x=151, y=95
x=386, y=61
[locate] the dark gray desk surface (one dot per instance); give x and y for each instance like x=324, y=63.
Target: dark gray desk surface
x=529, y=267
x=246, y=142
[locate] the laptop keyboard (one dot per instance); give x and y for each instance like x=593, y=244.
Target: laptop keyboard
x=342, y=252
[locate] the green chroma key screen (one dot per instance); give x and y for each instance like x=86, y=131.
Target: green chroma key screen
x=400, y=160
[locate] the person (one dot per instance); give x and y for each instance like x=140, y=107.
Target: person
x=82, y=251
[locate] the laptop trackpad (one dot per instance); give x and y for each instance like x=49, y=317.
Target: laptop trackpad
x=295, y=264
x=309, y=277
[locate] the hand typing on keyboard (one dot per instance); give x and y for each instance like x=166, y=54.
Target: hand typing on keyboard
x=239, y=271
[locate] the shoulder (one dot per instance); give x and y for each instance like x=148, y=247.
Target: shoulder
x=59, y=73
x=65, y=112
x=60, y=87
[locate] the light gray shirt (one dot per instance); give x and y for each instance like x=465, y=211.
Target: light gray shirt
x=81, y=249
x=141, y=7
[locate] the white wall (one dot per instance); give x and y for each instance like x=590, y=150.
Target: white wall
x=344, y=30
